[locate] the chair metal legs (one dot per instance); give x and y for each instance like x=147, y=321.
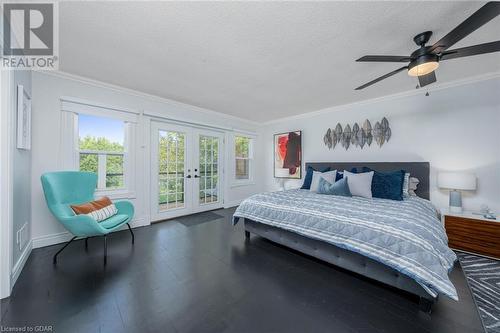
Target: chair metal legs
x=87, y=245
x=55, y=255
x=131, y=232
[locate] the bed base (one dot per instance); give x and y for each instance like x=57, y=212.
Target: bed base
x=346, y=259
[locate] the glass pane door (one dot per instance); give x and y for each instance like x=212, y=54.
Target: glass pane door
x=171, y=169
x=170, y=186
x=207, y=170
x=186, y=166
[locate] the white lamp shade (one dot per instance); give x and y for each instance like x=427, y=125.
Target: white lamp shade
x=457, y=180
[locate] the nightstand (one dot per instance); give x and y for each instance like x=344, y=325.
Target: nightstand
x=472, y=233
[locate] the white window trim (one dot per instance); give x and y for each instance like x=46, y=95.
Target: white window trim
x=70, y=149
x=251, y=165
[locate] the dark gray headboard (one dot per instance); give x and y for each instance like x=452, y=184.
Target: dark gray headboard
x=419, y=170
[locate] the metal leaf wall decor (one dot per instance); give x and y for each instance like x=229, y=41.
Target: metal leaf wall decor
x=358, y=136
x=346, y=137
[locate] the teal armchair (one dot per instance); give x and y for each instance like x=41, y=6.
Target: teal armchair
x=65, y=188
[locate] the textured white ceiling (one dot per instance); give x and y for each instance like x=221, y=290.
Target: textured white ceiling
x=260, y=60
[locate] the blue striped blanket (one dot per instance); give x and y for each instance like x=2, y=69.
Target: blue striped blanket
x=405, y=235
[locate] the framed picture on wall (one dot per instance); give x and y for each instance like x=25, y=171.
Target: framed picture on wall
x=288, y=155
x=23, y=119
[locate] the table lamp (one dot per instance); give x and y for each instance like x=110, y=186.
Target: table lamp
x=456, y=182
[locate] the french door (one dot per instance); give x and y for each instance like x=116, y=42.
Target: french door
x=186, y=170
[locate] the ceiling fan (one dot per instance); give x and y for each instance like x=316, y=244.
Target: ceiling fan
x=425, y=60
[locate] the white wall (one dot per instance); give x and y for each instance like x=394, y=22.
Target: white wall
x=48, y=88
x=15, y=183
x=21, y=159
x=455, y=128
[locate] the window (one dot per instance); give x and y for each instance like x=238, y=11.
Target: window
x=101, y=149
x=243, y=153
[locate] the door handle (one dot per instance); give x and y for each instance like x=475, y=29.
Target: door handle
x=188, y=176
x=196, y=176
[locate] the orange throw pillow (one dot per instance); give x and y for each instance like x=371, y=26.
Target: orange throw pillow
x=91, y=206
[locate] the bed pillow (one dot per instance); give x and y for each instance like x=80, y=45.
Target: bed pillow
x=355, y=170
x=387, y=185
x=99, y=210
x=413, y=186
x=329, y=176
x=406, y=185
x=339, y=176
x=308, y=178
x=360, y=184
x=340, y=187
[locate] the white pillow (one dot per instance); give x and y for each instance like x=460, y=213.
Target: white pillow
x=103, y=213
x=406, y=185
x=329, y=176
x=360, y=184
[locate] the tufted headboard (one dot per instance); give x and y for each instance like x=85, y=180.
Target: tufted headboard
x=418, y=170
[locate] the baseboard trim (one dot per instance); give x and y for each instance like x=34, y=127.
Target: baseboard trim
x=51, y=239
x=18, y=267
x=141, y=222
x=61, y=237
x=233, y=203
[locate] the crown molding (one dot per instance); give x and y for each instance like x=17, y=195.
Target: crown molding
x=136, y=93
x=155, y=98
x=413, y=92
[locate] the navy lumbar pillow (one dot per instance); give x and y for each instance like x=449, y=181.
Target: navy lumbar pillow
x=309, y=175
x=387, y=185
x=339, y=176
x=340, y=187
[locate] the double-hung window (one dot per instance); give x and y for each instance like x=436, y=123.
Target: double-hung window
x=243, y=153
x=102, y=149
x=100, y=139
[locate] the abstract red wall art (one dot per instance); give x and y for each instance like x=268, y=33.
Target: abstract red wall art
x=288, y=155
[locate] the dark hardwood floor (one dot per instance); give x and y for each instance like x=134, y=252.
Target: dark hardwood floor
x=198, y=274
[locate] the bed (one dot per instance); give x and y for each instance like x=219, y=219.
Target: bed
x=399, y=243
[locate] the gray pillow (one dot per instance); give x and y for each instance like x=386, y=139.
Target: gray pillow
x=340, y=187
x=317, y=175
x=413, y=186
x=360, y=184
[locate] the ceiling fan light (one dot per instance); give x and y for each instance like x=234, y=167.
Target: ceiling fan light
x=423, y=69
x=423, y=65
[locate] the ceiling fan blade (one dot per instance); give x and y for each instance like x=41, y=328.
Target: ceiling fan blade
x=482, y=16
x=384, y=58
x=381, y=78
x=426, y=79
x=471, y=50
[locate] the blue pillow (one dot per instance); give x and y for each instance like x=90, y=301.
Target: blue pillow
x=309, y=176
x=387, y=185
x=338, y=188
x=355, y=170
